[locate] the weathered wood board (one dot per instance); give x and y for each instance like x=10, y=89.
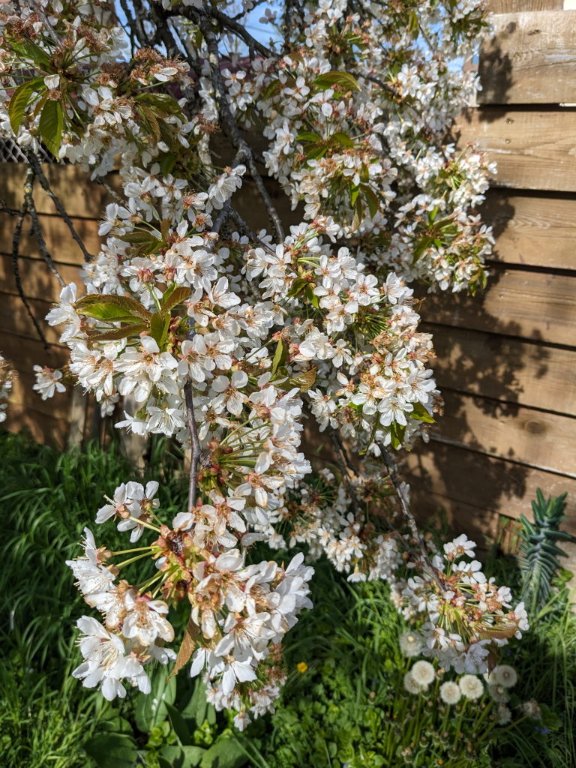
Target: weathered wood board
x=464, y=477
x=532, y=230
x=529, y=59
x=533, y=149
x=505, y=369
x=38, y=281
x=532, y=305
x=57, y=237
x=527, y=436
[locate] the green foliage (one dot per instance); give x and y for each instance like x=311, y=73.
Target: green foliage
x=539, y=552
x=344, y=703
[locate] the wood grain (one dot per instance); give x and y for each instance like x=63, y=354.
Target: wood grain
x=533, y=149
x=38, y=281
x=57, y=237
x=504, y=369
x=14, y=318
x=42, y=427
x=524, y=435
x=70, y=183
x=529, y=58
x=492, y=484
x=531, y=305
x=532, y=230
x=511, y=6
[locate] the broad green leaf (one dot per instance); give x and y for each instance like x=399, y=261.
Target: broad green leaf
x=30, y=50
x=192, y=756
x=342, y=139
x=179, y=724
x=225, y=753
x=342, y=79
x=279, y=355
x=167, y=162
x=51, y=125
x=421, y=414
x=124, y=332
x=371, y=198
x=145, y=241
x=150, y=709
x=21, y=97
x=159, y=324
x=397, y=432
x=174, y=296
x=160, y=101
x=197, y=708
x=309, y=137
x=112, y=750
x=112, y=308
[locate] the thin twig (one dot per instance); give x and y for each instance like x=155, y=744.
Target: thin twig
x=401, y=492
x=16, y=237
x=42, y=247
x=229, y=123
x=196, y=449
x=45, y=184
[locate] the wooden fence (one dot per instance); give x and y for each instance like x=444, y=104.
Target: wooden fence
x=506, y=361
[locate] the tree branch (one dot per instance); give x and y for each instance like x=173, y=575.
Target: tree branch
x=196, y=449
x=45, y=184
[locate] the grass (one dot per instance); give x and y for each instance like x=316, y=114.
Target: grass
x=343, y=704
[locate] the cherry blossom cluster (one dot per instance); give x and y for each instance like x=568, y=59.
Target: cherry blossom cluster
x=462, y=615
x=231, y=340
x=238, y=612
x=6, y=381
x=357, y=112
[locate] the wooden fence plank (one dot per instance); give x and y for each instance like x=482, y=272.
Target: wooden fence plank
x=70, y=183
x=57, y=236
x=536, y=438
x=511, y=6
x=42, y=427
x=492, y=484
x=530, y=58
x=14, y=318
x=505, y=369
x=531, y=230
x=58, y=407
x=38, y=281
x=533, y=150
x=529, y=305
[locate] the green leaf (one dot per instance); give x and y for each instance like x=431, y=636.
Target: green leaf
x=27, y=49
x=174, y=296
x=179, y=724
x=192, y=756
x=279, y=355
x=397, y=432
x=112, y=750
x=225, y=753
x=309, y=137
x=145, y=241
x=342, y=139
x=162, y=102
x=159, y=324
x=342, y=79
x=124, y=332
x=151, y=709
x=21, y=99
x=420, y=413
x=112, y=308
x=371, y=198
x=51, y=126
x=197, y=707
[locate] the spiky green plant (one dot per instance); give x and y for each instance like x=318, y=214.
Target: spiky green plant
x=539, y=551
